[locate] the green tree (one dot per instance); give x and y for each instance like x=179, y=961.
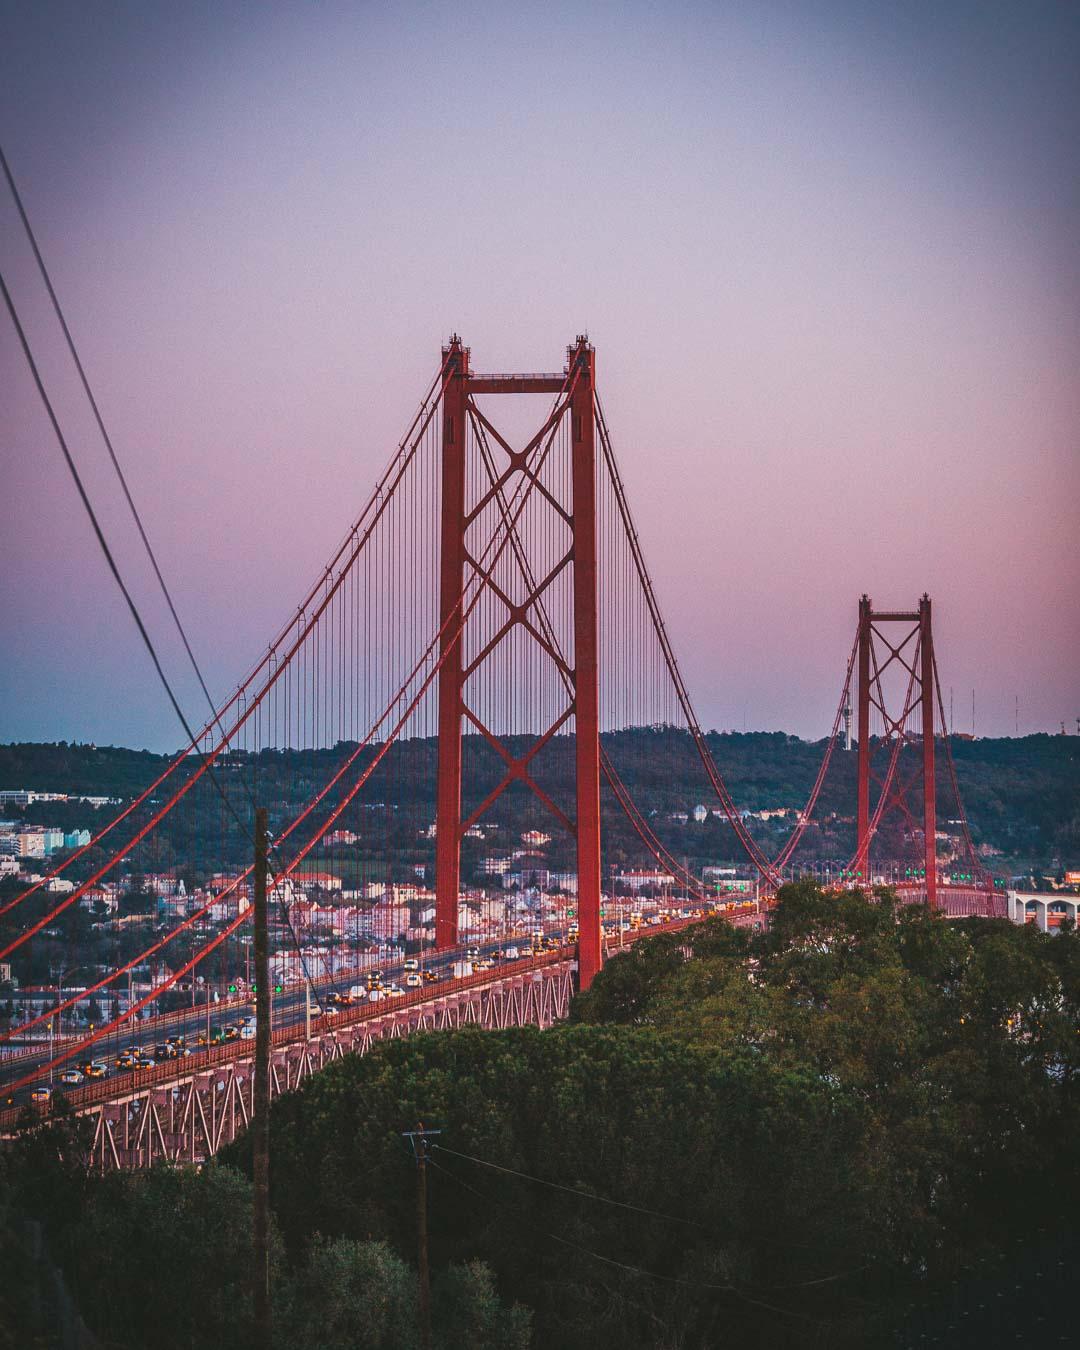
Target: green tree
x=467, y=1310
x=164, y=1258
x=350, y=1295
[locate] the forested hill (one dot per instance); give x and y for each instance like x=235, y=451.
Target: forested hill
x=1022, y=794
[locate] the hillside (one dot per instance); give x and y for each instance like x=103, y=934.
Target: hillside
x=1022, y=794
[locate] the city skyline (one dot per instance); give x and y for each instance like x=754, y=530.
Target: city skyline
x=828, y=266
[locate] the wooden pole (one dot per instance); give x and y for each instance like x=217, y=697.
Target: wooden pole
x=260, y=1115
x=422, y=1241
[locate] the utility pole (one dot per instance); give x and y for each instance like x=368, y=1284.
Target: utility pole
x=418, y=1138
x=260, y=1113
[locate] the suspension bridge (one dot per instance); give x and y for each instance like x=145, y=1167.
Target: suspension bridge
x=474, y=701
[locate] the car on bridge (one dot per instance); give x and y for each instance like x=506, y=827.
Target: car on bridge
x=71, y=1077
x=95, y=1068
x=41, y=1096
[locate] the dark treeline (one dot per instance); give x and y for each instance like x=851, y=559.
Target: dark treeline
x=854, y=1130
x=1022, y=795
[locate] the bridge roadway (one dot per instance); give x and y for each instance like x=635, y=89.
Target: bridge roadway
x=288, y=1009
x=184, y=1110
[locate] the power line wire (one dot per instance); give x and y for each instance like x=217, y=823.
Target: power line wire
x=101, y=427
x=99, y=533
x=570, y=1190
x=636, y=1270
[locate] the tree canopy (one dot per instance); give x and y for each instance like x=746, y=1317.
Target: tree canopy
x=817, y=1134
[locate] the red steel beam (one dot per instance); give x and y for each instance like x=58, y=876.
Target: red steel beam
x=452, y=571
x=586, y=683
x=863, y=730
x=517, y=384
x=929, y=768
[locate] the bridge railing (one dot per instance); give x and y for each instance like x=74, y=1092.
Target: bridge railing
x=130, y=1084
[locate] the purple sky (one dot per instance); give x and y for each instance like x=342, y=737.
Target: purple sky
x=827, y=252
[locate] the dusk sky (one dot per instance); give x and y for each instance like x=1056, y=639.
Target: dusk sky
x=828, y=254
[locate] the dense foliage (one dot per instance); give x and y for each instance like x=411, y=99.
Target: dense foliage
x=813, y=1130
x=164, y=1258
x=853, y=1127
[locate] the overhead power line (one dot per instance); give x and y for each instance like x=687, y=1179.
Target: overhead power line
x=570, y=1190
x=95, y=523
x=58, y=309
x=732, y=1289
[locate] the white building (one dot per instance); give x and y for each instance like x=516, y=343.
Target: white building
x=1045, y=911
x=495, y=867
x=638, y=880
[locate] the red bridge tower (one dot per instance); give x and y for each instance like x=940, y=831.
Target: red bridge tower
x=910, y=644
x=573, y=393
